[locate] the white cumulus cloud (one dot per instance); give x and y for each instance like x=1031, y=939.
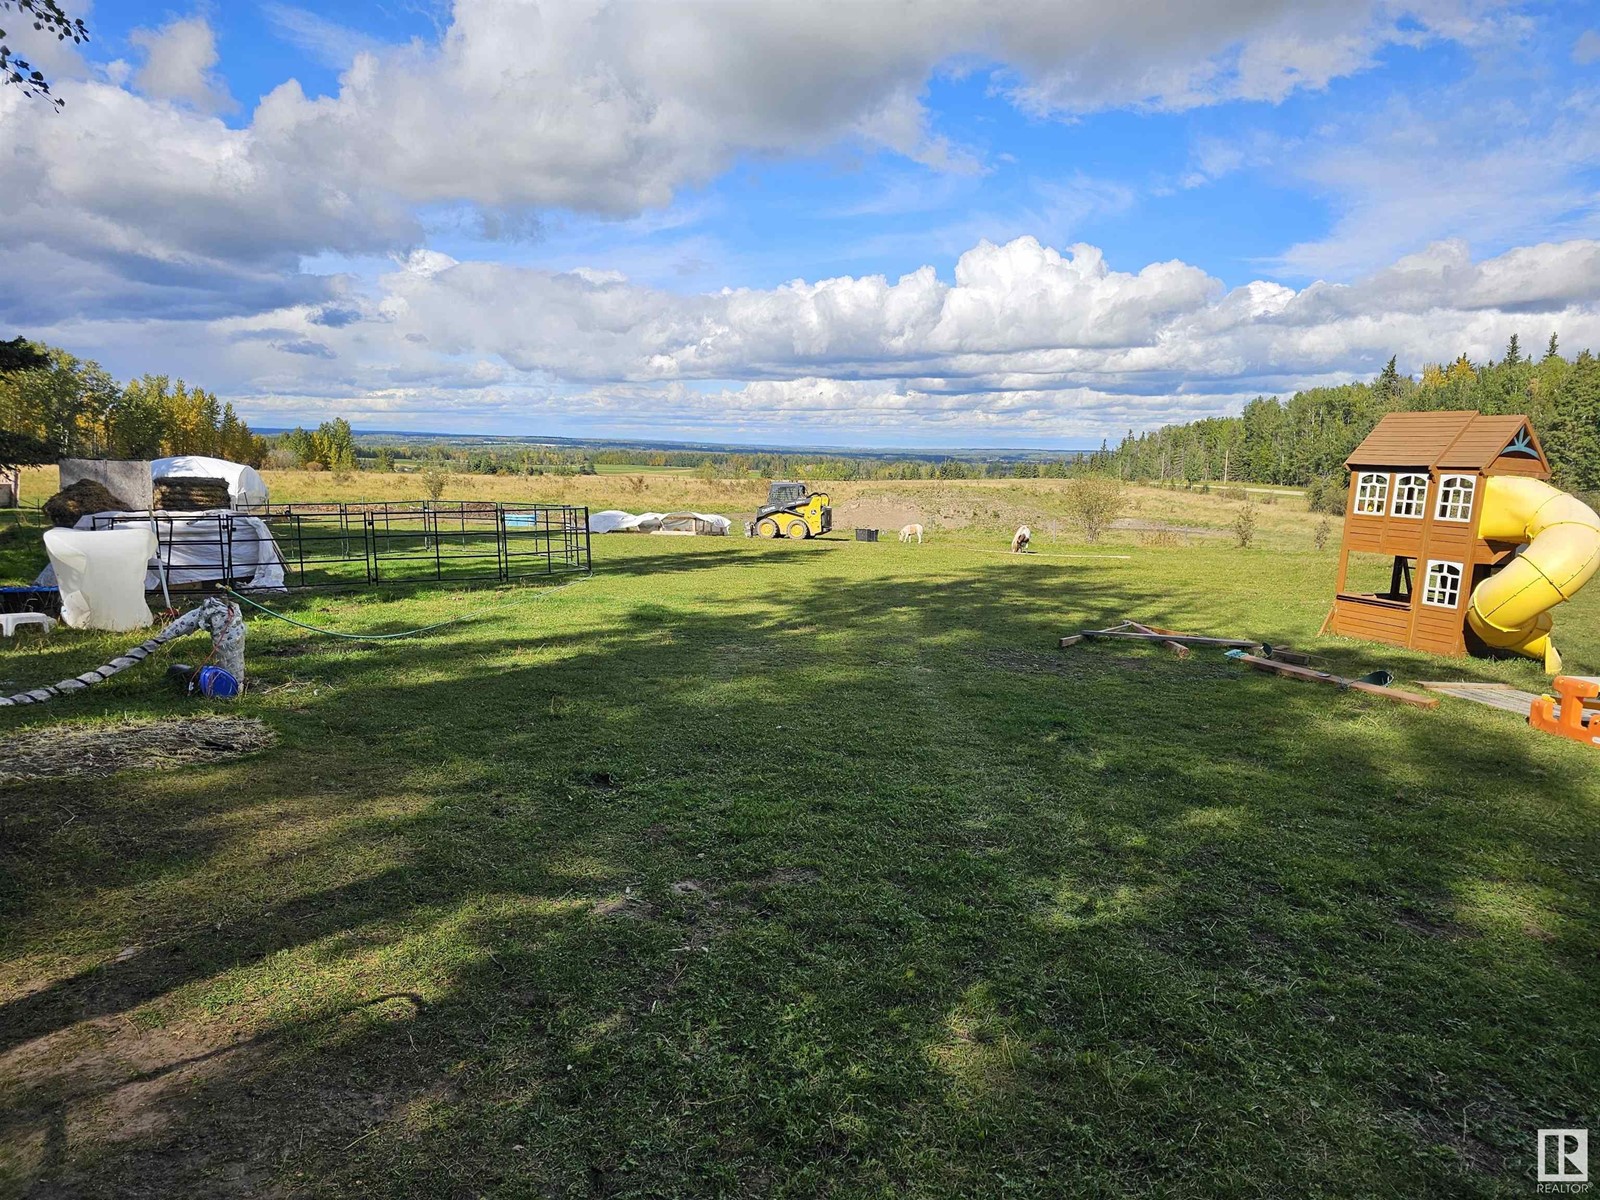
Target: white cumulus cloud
x=1021, y=342
x=179, y=64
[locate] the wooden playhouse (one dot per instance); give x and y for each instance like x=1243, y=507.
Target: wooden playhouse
x=1416, y=496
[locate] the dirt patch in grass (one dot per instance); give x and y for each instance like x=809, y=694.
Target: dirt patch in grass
x=288, y=650
x=1471, y=1152
x=1138, y=525
x=1425, y=926
x=88, y=751
x=626, y=907
x=785, y=875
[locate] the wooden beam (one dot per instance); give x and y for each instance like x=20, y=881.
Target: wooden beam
x=1372, y=689
x=1074, y=638
x=1177, y=648
x=1188, y=639
x=1283, y=654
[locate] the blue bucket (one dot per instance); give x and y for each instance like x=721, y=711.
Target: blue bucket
x=216, y=683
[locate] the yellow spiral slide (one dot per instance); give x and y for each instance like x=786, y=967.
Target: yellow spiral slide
x=1510, y=610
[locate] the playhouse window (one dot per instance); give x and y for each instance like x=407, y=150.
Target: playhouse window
x=1410, y=496
x=1372, y=490
x=1455, y=497
x=1442, y=587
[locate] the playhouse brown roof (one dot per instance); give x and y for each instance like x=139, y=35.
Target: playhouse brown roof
x=1466, y=441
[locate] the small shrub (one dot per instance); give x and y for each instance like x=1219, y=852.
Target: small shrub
x=1244, y=526
x=434, y=481
x=1235, y=492
x=314, y=465
x=1326, y=494
x=1164, y=538
x=1093, y=502
x=1323, y=533
x=1269, y=499
x=636, y=484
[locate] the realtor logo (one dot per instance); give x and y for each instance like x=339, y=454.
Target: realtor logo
x=1563, y=1156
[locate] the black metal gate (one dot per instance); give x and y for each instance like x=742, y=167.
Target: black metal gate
x=368, y=544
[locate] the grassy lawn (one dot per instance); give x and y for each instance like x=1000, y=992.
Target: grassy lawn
x=748, y=869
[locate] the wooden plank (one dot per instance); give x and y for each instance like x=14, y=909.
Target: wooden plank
x=1188, y=639
x=1161, y=631
x=1283, y=654
x=1177, y=648
x=1075, y=638
x=1356, y=685
x=1493, y=695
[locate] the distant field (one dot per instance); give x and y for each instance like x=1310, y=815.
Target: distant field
x=615, y=469
x=805, y=869
x=995, y=504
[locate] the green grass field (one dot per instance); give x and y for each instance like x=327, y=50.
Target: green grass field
x=807, y=869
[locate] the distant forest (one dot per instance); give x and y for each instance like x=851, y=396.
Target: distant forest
x=704, y=464
x=54, y=405
x=1305, y=439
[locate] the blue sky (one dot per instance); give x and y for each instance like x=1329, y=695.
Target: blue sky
x=681, y=219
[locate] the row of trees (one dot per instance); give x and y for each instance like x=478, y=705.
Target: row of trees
x=834, y=467
x=54, y=405
x=705, y=464
x=331, y=446
x=1308, y=436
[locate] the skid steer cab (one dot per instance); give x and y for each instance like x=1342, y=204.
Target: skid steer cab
x=792, y=512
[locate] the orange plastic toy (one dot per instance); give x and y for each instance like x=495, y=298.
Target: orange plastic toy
x=1564, y=715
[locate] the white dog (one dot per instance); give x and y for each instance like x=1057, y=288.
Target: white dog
x=1020, y=540
x=911, y=531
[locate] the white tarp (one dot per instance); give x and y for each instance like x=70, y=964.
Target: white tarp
x=191, y=548
x=245, y=485
x=614, y=520
x=704, y=524
x=101, y=576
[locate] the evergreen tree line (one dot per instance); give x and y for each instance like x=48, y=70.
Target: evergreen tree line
x=1304, y=440
x=54, y=405
x=704, y=464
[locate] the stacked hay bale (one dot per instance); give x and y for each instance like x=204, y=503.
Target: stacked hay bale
x=191, y=493
x=79, y=500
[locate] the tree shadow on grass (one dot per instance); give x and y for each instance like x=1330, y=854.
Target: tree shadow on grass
x=851, y=884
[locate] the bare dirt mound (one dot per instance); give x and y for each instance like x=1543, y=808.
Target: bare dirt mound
x=879, y=512
x=75, y=751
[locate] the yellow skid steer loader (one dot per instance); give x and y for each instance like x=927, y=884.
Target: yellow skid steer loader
x=792, y=512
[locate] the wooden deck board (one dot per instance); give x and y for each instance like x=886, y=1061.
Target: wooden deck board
x=1494, y=695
